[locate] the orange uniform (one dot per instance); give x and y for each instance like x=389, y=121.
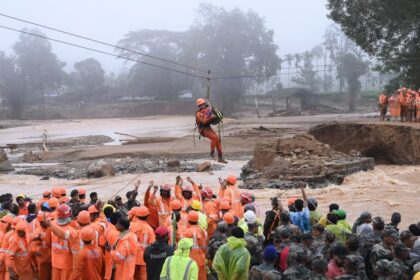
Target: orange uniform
x=198, y=250
x=233, y=196
x=4, y=247
x=64, y=244
x=2, y=263
x=124, y=256
x=187, y=202
x=111, y=236
x=212, y=212
x=150, y=201
x=41, y=249
x=203, y=120
x=145, y=237
x=18, y=257
x=89, y=264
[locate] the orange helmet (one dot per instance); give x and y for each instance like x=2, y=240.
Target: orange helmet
x=193, y=216
x=81, y=191
x=53, y=202
x=87, y=234
x=132, y=211
x=228, y=218
x=92, y=209
x=63, y=191
x=21, y=226
x=83, y=217
x=291, y=201
x=200, y=101
x=142, y=211
x=176, y=205
x=63, y=211
x=224, y=205
x=231, y=179
x=56, y=192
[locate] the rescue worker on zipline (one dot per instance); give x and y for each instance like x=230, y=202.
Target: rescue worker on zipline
x=203, y=118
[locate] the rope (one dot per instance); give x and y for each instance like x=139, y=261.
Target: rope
x=126, y=185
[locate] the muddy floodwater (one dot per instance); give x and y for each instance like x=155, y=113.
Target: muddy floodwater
x=384, y=190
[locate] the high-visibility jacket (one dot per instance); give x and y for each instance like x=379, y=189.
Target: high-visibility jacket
x=233, y=195
x=80, y=244
x=145, y=237
x=163, y=206
x=202, y=220
x=64, y=244
x=111, y=236
x=100, y=226
x=124, y=256
x=382, y=99
x=199, y=237
x=402, y=100
x=151, y=202
x=180, y=266
x=2, y=262
x=211, y=210
x=183, y=222
x=187, y=202
x=89, y=264
x=41, y=248
x=4, y=247
x=18, y=256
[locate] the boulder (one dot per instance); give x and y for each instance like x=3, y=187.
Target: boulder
x=101, y=168
x=4, y=162
x=204, y=166
x=173, y=163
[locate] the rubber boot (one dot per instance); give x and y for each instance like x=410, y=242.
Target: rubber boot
x=221, y=159
x=212, y=154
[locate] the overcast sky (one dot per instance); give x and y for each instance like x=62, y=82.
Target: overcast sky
x=298, y=24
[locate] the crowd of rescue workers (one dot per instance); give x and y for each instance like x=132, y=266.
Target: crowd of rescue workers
x=186, y=231
x=403, y=104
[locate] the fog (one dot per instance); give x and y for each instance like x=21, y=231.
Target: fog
x=298, y=25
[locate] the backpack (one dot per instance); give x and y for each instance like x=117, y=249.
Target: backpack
x=217, y=113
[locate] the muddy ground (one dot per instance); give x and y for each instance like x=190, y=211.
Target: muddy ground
x=74, y=144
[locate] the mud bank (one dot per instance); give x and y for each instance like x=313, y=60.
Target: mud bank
x=387, y=143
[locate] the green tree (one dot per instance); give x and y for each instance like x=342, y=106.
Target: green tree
x=12, y=86
x=353, y=68
x=89, y=79
x=307, y=76
x=38, y=65
x=388, y=29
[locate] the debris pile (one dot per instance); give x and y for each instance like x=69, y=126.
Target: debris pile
x=281, y=163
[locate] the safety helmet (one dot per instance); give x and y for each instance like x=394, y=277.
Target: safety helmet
x=92, y=209
x=193, y=216
x=20, y=196
x=63, y=191
x=21, y=226
x=132, y=211
x=87, y=234
x=291, y=201
x=83, y=217
x=207, y=192
x=63, y=211
x=196, y=205
x=176, y=205
x=246, y=197
x=53, y=202
x=165, y=187
x=224, y=205
x=81, y=191
x=187, y=189
x=250, y=217
x=56, y=192
x=200, y=101
x=231, y=179
x=142, y=211
x=228, y=218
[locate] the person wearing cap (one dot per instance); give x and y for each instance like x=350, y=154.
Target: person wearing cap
x=7, y=231
x=159, y=206
x=145, y=236
x=46, y=195
x=63, y=243
x=186, y=194
x=41, y=246
x=199, y=237
x=210, y=209
x=331, y=208
x=266, y=270
x=225, y=207
x=124, y=252
x=18, y=256
x=82, y=195
x=301, y=216
x=63, y=198
x=111, y=236
x=23, y=206
x=254, y=243
x=156, y=253
x=250, y=217
x=177, y=222
x=202, y=218
x=341, y=233
x=56, y=192
x=342, y=215
x=180, y=265
x=229, y=219
x=203, y=119
x=336, y=264
x=89, y=263
x=385, y=249
x=314, y=215
x=232, y=259
x=53, y=204
x=232, y=194
x=150, y=201
x=98, y=222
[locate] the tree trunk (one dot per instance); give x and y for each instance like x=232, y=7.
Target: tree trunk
x=352, y=101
